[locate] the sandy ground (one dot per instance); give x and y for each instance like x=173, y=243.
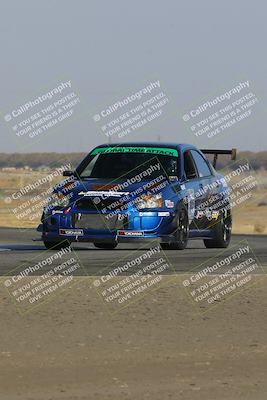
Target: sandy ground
x=158, y=348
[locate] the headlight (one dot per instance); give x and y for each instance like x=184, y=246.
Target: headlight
x=58, y=200
x=150, y=201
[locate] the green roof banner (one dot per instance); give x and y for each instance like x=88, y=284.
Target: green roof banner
x=150, y=150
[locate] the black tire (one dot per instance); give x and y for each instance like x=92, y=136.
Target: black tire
x=106, y=246
x=181, y=232
x=222, y=232
x=165, y=246
x=56, y=245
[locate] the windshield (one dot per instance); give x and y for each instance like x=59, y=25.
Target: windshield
x=121, y=165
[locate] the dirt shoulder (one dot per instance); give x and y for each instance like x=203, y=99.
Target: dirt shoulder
x=158, y=348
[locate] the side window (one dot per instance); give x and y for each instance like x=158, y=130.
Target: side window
x=202, y=165
x=189, y=166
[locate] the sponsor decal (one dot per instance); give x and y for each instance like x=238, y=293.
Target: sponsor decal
x=130, y=233
x=163, y=214
x=150, y=150
x=71, y=232
x=169, y=203
x=215, y=214
x=208, y=214
x=106, y=193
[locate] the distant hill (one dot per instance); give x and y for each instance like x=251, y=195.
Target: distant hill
x=36, y=160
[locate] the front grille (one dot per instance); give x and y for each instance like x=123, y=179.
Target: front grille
x=99, y=205
x=100, y=221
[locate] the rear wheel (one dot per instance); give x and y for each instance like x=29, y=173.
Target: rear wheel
x=56, y=245
x=222, y=232
x=181, y=233
x=106, y=246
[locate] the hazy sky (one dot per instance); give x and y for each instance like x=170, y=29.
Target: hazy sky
x=110, y=49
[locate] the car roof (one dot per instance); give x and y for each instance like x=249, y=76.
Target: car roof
x=171, y=145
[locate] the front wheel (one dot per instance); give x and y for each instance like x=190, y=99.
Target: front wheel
x=222, y=232
x=106, y=246
x=181, y=232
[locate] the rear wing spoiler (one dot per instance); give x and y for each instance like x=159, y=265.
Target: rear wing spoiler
x=232, y=153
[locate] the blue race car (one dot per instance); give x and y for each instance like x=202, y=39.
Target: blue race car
x=133, y=192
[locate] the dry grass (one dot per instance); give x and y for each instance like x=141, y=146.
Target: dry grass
x=24, y=212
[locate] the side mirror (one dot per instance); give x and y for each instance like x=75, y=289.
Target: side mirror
x=191, y=176
x=68, y=173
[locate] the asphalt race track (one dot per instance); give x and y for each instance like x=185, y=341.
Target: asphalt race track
x=17, y=247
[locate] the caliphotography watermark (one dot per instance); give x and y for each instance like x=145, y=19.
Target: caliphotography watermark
x=139, y=189
x=215, y=116
x=132, y=112
x=36, y=116
x=223, y=276
x=131, y=278
x=214, y=200
x=40, y=190
x=38, y=281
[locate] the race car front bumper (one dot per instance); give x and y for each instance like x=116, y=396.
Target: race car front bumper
x=89, y=227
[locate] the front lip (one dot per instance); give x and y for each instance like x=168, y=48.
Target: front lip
x=148, y=237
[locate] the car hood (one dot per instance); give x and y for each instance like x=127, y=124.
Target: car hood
x=110, y=188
